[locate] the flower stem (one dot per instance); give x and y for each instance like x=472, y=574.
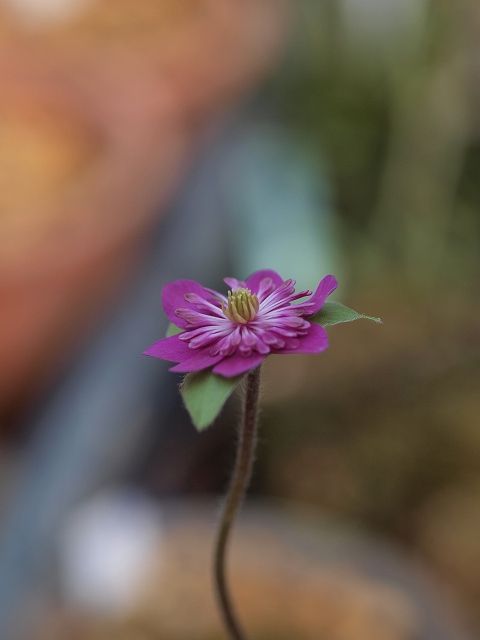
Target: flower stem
x=242, y=472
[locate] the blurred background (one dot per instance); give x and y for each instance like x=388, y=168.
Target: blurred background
x=147, y=140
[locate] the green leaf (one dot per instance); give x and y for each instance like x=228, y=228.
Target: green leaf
x=204, y=394
x=173, y=330
x=336, y=313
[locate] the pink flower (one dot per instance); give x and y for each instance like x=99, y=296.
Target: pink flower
x=235, y=333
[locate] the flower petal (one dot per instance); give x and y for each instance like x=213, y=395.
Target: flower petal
x=199, y=359
x=315, y=341
x=171, y=348
x=324, y=289
x=173, y=297
x=233, y=283
x=253, y=281
x=237, y=364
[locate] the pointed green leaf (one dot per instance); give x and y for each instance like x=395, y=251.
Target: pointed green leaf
x=204, y=394
x=336, y=313
x=173, y=330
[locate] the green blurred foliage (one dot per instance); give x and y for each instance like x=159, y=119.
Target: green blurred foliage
x=394, y=116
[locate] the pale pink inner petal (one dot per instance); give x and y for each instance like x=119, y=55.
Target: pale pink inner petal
x=265, y=288
x=173, y=297
x=253, y=282
x=233, y=283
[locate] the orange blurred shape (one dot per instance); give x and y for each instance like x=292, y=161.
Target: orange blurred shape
x=100, y=105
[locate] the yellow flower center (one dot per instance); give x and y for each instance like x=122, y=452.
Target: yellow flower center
x=242, y=306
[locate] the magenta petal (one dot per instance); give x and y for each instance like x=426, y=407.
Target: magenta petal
x=236, y=365
x=253, y=281
x=324, y=289
x=171, y=348
x=173, y=297
x=197, y=362
x=233, y=283
x=315, y=341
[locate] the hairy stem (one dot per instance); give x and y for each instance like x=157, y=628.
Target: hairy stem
x=242, y=473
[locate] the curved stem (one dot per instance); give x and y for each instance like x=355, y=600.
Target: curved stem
x=242, y=472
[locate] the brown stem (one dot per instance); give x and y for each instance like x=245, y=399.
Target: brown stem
x=242, y=473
